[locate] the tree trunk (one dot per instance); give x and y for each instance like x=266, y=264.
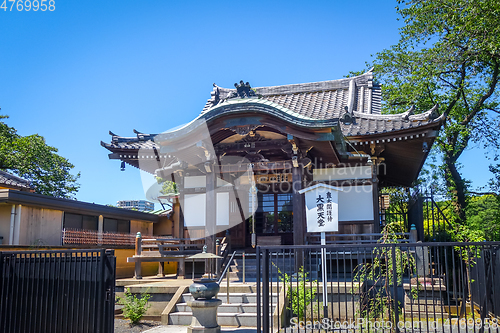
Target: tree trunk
x=456, y=185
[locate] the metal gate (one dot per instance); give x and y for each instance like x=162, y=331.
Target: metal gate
x=57, y=291
x=403, y=287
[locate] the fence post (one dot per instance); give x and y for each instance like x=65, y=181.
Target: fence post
x=265, y=291
x=218, y=260
x=110, y=277
x=259, y=291
x=244, y=281
x=395, y=288
x=413, y=233
x=138, y=252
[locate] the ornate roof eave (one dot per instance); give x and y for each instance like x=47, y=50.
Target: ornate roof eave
x=196, y=128
x=423, y=121
x=430, y=115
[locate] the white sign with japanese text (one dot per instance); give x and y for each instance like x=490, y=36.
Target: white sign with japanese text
x=322, y=212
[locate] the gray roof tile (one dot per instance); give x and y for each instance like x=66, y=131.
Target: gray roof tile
x=319, y=100
x=10, y=180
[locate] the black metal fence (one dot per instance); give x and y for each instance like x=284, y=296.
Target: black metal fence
x=57, y=291
x=420, y=210
x=411, y=287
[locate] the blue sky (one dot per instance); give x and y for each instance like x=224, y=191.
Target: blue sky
x=88, y=67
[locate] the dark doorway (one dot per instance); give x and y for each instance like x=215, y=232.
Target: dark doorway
x=274, y=216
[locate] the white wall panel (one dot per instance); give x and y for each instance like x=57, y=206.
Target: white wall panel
x=194, y=210
x=223, y=208
x=195, y=181
x=356, y=203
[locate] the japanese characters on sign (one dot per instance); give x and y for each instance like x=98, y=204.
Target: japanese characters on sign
x=321, y=208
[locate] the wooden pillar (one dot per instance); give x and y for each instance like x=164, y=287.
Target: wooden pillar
x=376, y=205
x=100, y=229
x=299, y=230
x=210, y=215
x=138, y=252
x=181, y=265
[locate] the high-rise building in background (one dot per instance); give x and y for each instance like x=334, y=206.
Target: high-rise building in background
x=140, y=205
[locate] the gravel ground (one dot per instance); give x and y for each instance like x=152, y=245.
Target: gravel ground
x=123, y=326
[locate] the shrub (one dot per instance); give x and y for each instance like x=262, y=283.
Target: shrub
x=134, y=308
x=300, y=290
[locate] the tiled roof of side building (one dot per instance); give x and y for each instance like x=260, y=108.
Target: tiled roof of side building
x=9, y=180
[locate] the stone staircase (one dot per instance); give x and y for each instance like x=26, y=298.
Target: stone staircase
x=279, y=266
x=428, y=302
x=241, y=311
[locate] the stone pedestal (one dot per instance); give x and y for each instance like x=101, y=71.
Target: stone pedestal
x=204, y=316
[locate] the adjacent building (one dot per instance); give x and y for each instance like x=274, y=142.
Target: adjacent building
x=27, y=218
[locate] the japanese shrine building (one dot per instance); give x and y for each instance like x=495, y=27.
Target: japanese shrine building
x=290, y=137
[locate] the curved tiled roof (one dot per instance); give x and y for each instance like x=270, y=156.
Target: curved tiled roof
x=316, y=104
x=318, y=100
x=366, y=124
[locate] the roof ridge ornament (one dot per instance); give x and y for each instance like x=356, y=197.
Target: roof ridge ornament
x=243, y=90
x=215, y=94
x=410, y=112
x=348, y=117
x=434, y=114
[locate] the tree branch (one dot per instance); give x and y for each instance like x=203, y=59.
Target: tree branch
x=478, y=106
x=459, y=92
x=448, y=83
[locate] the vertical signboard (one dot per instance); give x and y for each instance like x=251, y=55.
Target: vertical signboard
x=322, y=209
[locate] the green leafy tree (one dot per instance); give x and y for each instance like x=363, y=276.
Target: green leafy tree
x=377, y=276
x=168, y=187
x=31, y=158
x=448, y=54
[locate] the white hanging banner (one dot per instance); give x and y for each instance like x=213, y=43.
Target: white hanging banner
x=322, y=209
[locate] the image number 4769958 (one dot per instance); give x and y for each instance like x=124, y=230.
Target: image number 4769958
x=28, y=5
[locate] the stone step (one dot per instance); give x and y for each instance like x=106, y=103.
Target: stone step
x=288, y=268
x=234, y=298
x=425, y=316
x=223, y=319
x=225, y=308
x=429, y=301
x=430, y=309
x=275, y=276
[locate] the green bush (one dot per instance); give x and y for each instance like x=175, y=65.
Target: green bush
x=134, y=308
x=300, y=290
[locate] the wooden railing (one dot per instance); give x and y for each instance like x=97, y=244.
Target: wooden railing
x=161, y=250
x=315, y=238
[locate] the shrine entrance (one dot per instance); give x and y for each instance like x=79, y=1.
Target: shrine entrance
x=274, y=218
